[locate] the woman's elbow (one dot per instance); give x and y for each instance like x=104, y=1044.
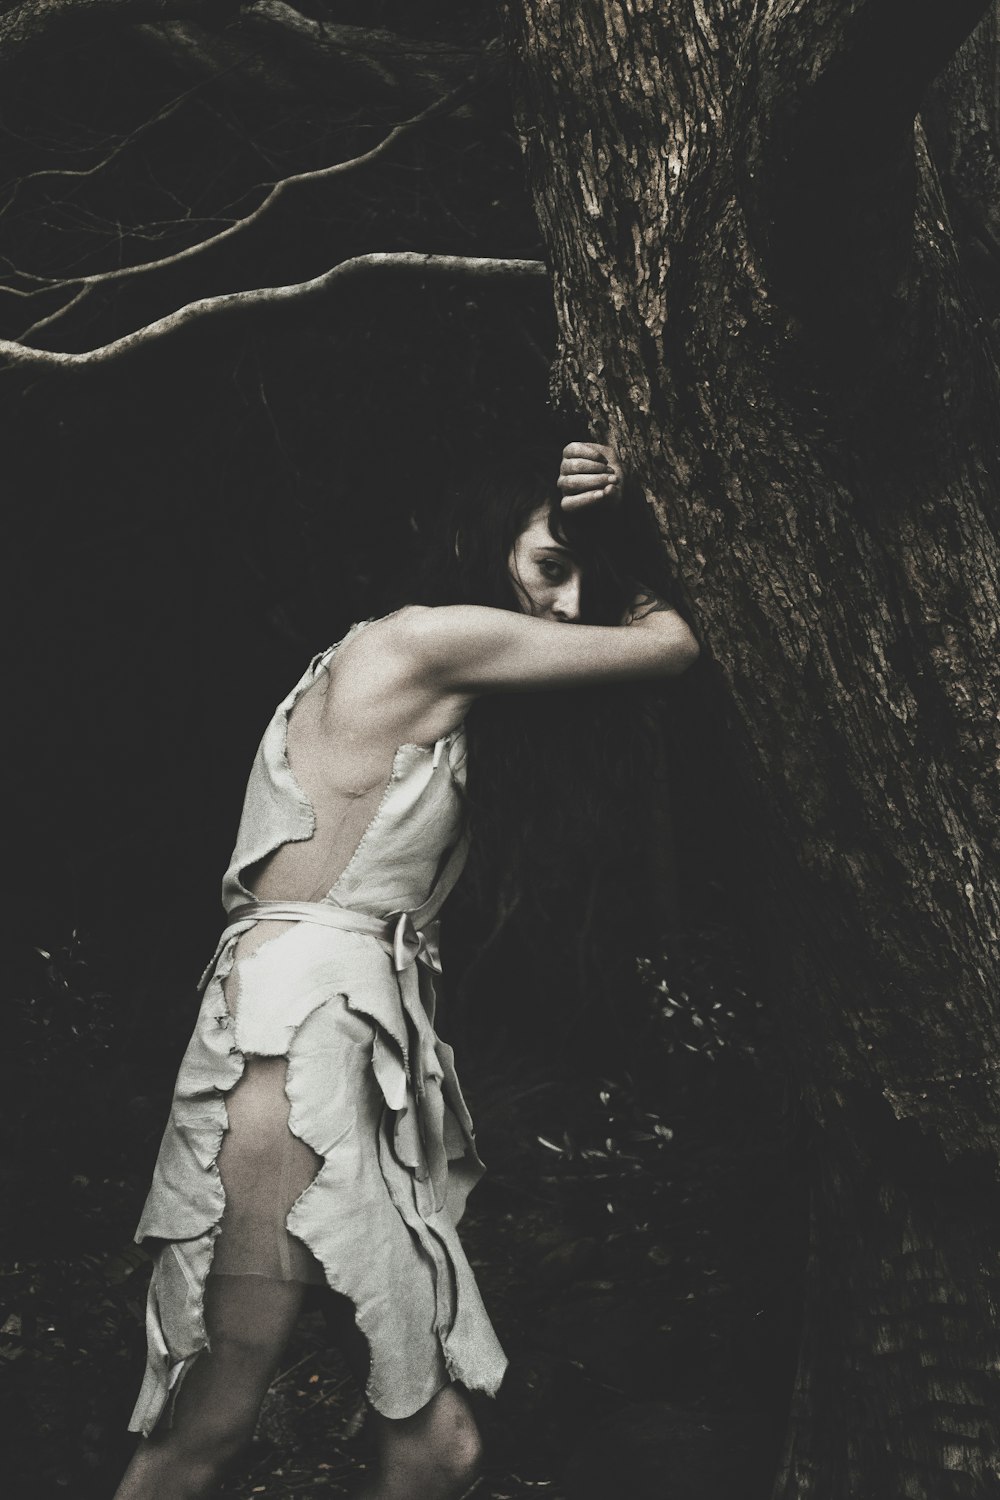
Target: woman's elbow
x=684, y=649
x=690, y=649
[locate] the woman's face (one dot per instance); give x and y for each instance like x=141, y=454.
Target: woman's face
x=547, y=577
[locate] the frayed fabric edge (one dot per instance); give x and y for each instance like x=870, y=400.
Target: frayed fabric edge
x=484, y=1368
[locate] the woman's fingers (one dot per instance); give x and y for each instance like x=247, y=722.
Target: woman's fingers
x=576, y=499
x=577, y=502
x=592, y=481
x=584, y=466
x=583, y=484
x=589, y=473
x=594, y=451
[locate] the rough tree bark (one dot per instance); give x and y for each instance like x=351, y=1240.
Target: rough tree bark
x=762, y=294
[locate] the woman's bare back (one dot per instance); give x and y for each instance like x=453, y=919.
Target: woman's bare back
x=343, y=735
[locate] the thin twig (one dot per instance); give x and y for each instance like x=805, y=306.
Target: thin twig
x=53, y=317
x=116, y=150
x=276, y=191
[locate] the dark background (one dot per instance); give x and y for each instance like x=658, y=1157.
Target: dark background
x=183, y=532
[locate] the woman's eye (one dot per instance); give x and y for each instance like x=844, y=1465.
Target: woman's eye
x=553, y=571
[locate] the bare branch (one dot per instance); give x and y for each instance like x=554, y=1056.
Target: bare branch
x=405, y=69
x=276, y=191
x=810, y=56
x=266, y=298
x=961, y=115
x=30, y=25
x=384, y=52
x=14, y=291
x=831, y=146
x=54, y=317
x=63, y=173
x=286, y=51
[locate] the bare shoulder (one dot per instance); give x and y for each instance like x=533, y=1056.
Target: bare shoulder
x=419, y=627
x=379, y=685
x=379, y=637
x=419, y=639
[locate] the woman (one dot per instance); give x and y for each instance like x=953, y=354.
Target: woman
x=318, y=1133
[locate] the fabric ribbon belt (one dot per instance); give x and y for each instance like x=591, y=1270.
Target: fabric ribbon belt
x=402, y=940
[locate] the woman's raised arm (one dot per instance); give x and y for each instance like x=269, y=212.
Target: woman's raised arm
x=469, y=648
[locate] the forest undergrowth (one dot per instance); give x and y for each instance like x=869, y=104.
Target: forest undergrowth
x=638, y=1239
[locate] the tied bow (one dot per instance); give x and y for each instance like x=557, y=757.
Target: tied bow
x=411, y=944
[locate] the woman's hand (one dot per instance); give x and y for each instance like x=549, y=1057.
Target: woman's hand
x=589, y=472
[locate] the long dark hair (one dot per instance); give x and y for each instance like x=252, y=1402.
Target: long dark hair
x=552, y=775
x=466, y=561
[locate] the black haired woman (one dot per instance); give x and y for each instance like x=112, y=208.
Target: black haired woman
x=318, y=1133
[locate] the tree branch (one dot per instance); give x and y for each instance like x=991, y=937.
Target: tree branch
x=277, y=52
x=31, y=25
x=123, y=142
x=831, y=144
x=266, y=298
x=86, y=284
x=54, y=317
x=405, y=69
x=961, y=115
x=390, y=58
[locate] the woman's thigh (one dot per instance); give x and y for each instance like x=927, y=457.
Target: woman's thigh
x=249, y=1320
x=264, y=1169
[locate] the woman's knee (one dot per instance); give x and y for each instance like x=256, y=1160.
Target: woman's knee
x=466, y=1457
x=458, y=1444
x=449, y=1416
x=436, y=1454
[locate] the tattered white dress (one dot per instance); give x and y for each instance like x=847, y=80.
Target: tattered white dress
x=373, y=1153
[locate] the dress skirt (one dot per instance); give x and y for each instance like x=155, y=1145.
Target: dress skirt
x=318, y=1134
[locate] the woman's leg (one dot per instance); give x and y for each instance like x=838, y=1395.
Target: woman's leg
x=252, y=1297
x=249, y=1320
x=433, y=1455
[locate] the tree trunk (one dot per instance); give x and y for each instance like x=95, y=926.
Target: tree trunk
x=762, y=297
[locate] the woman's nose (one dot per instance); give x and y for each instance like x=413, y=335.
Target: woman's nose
x=567, y=605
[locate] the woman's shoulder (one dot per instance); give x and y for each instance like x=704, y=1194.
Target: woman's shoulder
x=411, y=628
x=374, y=631
x=410, y=646
x=397, y=621
x=378, y=686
